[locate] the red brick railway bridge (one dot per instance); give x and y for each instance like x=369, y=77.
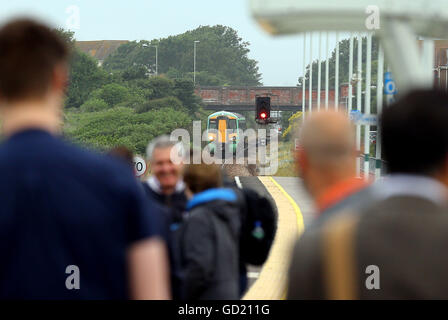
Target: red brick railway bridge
x=243, y=98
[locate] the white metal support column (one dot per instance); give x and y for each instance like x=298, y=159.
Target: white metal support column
x=358, y=101
x=327, y=71
x=428, y=58
x=336, y=76
x=304, y=78
x=350, y=75
x=319, y=71
x=379, y=108
x=367, y=106
x=311, y=75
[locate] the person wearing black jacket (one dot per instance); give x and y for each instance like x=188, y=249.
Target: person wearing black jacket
x=167, y=188
x=210, y=237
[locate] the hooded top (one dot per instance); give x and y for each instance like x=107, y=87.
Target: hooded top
x=210, y=246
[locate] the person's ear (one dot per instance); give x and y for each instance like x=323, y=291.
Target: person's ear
x=301, y=160
x=60, y=78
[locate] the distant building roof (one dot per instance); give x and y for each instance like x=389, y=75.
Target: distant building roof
x=100, y=49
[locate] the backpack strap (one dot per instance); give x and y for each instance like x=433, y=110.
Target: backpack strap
x=339, y=263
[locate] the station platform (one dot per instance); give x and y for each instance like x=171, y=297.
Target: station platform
x=295, y=211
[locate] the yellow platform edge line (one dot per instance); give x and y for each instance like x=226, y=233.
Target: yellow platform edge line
x=299, y=216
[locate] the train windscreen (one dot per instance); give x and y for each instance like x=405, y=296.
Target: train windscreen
x=213, y=124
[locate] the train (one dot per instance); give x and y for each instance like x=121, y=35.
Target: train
x=223, y=131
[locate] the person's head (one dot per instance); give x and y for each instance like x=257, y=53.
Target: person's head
x=414, y=135
x=124, y=154
x=327, y=153
x=201, y=177
x=33, y=75
x=166, y=160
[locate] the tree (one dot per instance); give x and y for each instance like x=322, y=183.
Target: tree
x=134, y=72
x=126, y=106
x=156, y=104
x=122, y=126
x=184, y=91
x=85, y=74
x=113, y=93
x=94, y=104
x=161, y=87
x=221, y=54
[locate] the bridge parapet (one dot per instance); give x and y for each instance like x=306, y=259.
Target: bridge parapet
x=235, y=98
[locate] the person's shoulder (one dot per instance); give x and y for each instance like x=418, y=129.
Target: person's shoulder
x=358, y=202
x=39, y=146
x=198, y=213
x=95, y=163
x=94, y=168
x=200, y=216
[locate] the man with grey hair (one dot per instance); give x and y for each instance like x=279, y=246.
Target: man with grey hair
x=165, y=157
x=165, y=185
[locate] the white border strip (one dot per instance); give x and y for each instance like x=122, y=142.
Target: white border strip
x=238, y=182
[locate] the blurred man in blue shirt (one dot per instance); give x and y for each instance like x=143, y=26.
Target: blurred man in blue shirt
x=73, y=224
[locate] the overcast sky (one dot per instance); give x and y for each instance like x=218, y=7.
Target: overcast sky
x=280, y=59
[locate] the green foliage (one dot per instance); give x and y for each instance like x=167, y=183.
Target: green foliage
x=156, y=104
x=85, y=76
x=161, y=87
x=222, y=57
x=284, y=120
x=122, y=126
x=134, y=101
x=184, y=91
x=113, y=94
x=129, y=55
x=250, y=119
x=134, y=72
x=67, y=36
x=94, y=104
x=293, y=125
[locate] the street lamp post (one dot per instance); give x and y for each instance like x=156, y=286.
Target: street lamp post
x=157, y=62
x=157, y=56
x=194, y=62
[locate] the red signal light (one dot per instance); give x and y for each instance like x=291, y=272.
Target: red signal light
x=263, y=115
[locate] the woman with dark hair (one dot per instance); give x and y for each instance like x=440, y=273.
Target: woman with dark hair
x=210, y=242
x=123, y=153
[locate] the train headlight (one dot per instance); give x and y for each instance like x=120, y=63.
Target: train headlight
x=234, y=138
x=211, y=138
